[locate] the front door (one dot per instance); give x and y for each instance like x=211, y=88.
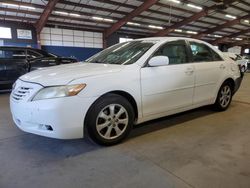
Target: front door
x=168, y=87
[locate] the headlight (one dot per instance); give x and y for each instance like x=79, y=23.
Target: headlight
x=58, y=91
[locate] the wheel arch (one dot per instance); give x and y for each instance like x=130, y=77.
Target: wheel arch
x=231, y=81
x=127, y=96
x=124, y=94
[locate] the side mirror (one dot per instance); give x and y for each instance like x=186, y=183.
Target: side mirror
x=158, y=61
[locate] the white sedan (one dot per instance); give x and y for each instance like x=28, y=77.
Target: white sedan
x=126, y=84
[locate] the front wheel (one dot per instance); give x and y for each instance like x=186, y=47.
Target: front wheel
x=224, y=97
x=110, y=119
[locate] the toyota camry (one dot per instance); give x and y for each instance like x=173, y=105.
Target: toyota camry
x=123, y=85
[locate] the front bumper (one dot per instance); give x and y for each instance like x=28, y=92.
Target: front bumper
x=61, y=118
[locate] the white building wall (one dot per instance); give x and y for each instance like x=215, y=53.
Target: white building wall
x=71, y=38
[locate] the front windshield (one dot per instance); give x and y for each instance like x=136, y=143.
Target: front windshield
x=122, y=54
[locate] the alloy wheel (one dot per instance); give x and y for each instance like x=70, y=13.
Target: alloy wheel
x=112, y=121
x=225, y=96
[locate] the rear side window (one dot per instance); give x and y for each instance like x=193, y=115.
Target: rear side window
x=203, y=53
x=12, y=54
x=175, y=51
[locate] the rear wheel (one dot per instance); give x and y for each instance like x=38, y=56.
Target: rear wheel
x=110, y=119
x=224, y=97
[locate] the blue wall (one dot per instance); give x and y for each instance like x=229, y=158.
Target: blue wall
x=78, y=52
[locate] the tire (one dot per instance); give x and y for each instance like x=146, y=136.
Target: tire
x=110, y=119
x=224, y=97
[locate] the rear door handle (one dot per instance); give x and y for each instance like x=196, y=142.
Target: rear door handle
x=222, y=66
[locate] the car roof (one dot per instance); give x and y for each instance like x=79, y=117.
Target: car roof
x=166, y=39
x=169, y=39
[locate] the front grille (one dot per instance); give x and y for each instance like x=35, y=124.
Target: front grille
x=21, y=92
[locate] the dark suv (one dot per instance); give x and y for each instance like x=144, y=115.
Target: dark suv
x=16, y=61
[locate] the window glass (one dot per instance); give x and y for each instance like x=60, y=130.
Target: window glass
x=12, y=54
x=122, y=53
x=202, y=52
x=216, y=56
x=175, y=51
x=31, y=54
x=5, y=33
x=2, y=54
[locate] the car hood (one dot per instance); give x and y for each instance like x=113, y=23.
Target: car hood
x=63, y=74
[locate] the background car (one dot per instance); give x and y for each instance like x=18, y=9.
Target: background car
x=239, y=59
x=16, y=61
x=247, y=58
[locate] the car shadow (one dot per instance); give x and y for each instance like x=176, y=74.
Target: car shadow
x=50, y=148
x=169, y=121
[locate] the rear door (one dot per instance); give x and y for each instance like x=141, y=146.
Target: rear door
x=15, y=63
x=209, y=71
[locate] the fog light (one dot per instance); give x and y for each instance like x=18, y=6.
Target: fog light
x=48, y=127
x=45, y=127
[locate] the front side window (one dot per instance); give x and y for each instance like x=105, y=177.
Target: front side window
x=123, y=53
x=175, y=51
x=203, y=53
